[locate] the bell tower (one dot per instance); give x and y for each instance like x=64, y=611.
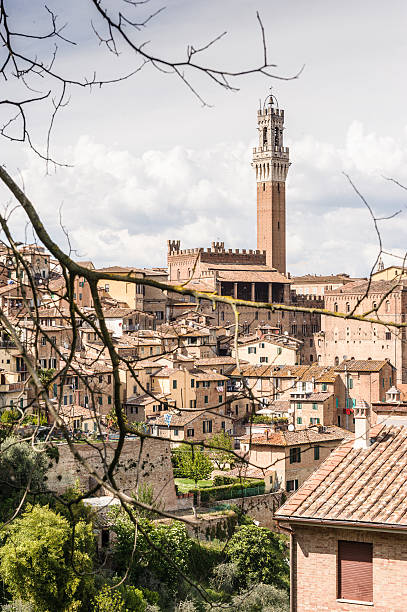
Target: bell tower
x=271, y=163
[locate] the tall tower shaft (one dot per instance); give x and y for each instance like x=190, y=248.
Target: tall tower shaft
x=271, y=163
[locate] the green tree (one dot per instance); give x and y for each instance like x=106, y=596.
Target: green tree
x=38, y=565
x=21, y=467
x=194, y=464
x=260, y=555
x=124, y=599
x=46, y=376
x=9, y=416
x=221, y=455
x=170, y=552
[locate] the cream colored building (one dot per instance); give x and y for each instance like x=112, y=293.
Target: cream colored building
x=281, y=351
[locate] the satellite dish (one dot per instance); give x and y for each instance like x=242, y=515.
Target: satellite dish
x=291, y=427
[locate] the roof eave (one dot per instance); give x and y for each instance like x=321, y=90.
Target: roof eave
x=363, y=525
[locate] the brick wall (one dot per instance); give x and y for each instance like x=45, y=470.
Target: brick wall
x=315, y=584
x=149, y=464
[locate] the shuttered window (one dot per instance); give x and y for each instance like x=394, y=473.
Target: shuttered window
x=355, y=571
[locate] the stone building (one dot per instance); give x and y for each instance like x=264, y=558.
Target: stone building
x=342, y=338
x=292, y=455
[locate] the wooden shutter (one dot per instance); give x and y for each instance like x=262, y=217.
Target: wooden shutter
x=355, y=571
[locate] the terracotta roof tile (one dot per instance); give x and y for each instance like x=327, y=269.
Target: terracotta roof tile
x=361, y=365
x=364, y=485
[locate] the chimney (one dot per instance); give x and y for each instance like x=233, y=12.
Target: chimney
x=362, y=425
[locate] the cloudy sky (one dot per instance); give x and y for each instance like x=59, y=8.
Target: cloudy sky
x=149, y=163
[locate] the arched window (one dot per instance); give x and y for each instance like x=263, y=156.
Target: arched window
x=374, y=306
x=265, y=137
x=336, y=361
x=387, y=305
x=178, y=274
x=336, y=307
x=347, y=307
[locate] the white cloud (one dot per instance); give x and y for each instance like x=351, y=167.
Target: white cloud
x=120, y=208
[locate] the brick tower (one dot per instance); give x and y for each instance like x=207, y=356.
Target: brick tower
x=271, y=162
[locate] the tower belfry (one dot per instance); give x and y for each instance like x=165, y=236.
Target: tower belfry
x=271, y=163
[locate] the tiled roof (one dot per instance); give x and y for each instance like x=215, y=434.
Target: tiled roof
x=361, y=365
x=360, y=287
x=110, y=313
x=357, y=485
x=145, y=399
x=314, y=397
x=251, y=274
x=303, y=436
x=216, y=361
x=314, y=278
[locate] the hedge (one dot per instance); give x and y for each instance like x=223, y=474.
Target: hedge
x=229, y=491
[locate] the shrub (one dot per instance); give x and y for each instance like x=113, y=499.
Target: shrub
x=261, y=598
x=260, y=556
x=39, y=547
x=218, y=481
x=229, y=491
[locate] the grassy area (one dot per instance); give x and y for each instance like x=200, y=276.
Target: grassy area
x=185, y=484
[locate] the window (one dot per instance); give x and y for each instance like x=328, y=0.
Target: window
x=279, y=350
x=347, y=307
x=252, y=349
x=109, y=379
x=299, y=420
x=192, y=403
x=316, y=453
x=350, y=383
x=335, y=307
x=207, y=426
x=388, y=335
x=291, y=485
x=190, y=433
x=223, y=425
x=134, y=388
x=295, y=455
x=293, y=329
x=314, y=421
x=314, y=406
x=100, y=379
x=105, y=537
x=192, y=383
x=324, y=386
x=100, y=400
x=43, y=341
x=109, y=399
x=355, y=571
x=220, y=398
x=176, y=432
x=206, y=399
x=261, y=345
x=174, y=384
x=299, y=406
x=264, y=359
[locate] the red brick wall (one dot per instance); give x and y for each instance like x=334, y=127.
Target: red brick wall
x=315, y=579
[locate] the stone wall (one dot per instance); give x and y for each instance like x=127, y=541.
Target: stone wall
x=147, y=463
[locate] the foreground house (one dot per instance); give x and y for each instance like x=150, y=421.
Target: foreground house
x=348, y=525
